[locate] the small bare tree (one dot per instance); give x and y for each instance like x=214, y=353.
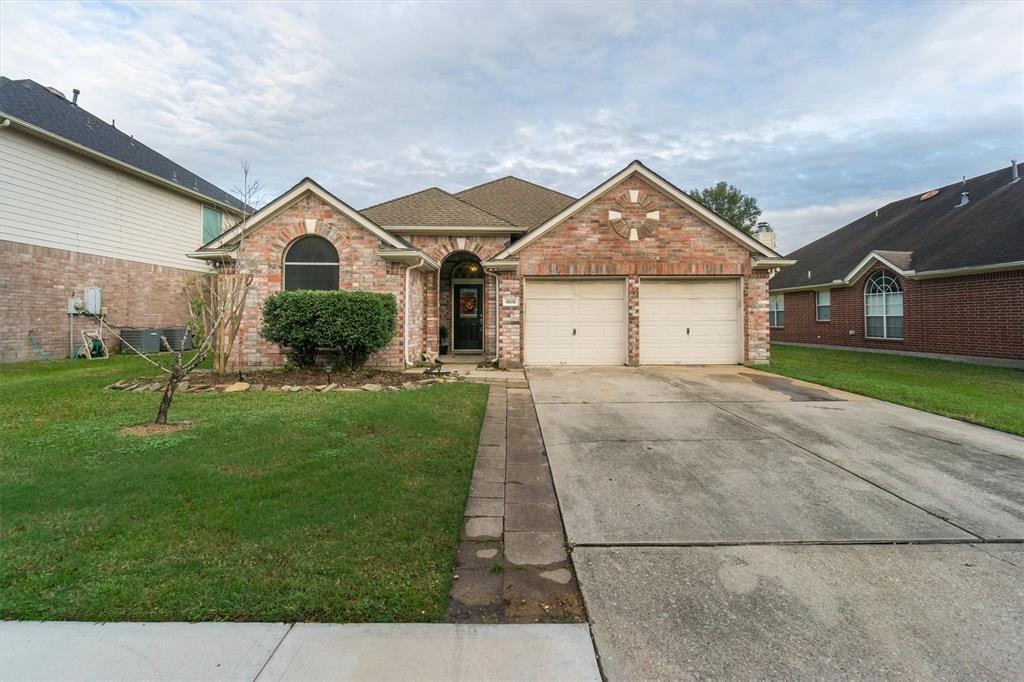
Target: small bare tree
x=216, y=304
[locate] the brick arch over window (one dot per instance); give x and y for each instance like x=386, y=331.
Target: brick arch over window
x=440, y=247
x=311, y=262
x=284, y=238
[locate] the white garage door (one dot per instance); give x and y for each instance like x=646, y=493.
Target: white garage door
x=575, y=322
x=689, y=323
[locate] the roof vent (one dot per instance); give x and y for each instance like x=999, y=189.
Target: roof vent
x=928, y=195
x=75, y=92
x=965, y=198
x=1013, y=169
x=56, y=91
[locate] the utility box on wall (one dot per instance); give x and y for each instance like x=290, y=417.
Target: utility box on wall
x=93, y=300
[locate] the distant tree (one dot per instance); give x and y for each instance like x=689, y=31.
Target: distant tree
x=730, y=203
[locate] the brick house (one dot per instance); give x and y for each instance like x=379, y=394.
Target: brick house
x=84, y=205
x=634, y=272
x=937, y=273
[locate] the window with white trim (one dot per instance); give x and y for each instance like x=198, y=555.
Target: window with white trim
x=883, y=306
x=823, y=305
x=777, y=310
x=311, y=263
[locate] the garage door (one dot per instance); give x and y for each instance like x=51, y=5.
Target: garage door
x=575, y=322
x=689, y=323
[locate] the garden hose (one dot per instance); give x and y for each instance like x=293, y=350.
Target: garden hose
x=39, y=350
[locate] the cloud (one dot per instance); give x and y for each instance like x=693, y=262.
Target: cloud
x=817, y=110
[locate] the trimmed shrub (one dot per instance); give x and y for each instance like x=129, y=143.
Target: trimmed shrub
x=355, y=323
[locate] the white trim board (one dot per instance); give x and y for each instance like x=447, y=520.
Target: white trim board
x=637, y=168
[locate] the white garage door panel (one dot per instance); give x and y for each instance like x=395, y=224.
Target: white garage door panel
x=710, y=310
x=595, y=309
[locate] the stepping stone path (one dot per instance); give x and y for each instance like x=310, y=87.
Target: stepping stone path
x=512, y=565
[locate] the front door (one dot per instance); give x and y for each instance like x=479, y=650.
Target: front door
x=469, y=317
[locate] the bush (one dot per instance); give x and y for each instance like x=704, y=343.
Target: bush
x=356, y=323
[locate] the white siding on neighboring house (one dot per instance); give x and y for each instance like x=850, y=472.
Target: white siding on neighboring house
x=52, y=197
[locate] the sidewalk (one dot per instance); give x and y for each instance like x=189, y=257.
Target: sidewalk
x=303, y=651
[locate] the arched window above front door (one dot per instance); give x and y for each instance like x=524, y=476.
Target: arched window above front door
x=467, y=270
x=311, y=263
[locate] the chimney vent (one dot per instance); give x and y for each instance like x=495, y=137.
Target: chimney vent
x=965, y=198
x=1013, y=169
x=75, y=92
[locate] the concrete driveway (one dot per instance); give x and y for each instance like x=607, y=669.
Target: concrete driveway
x=729, y=523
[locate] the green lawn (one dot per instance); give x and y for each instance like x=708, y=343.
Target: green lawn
x=271, y=507
x=990, y=396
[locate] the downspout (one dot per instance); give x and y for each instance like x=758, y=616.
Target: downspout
x=497, y=322
x=405, y=314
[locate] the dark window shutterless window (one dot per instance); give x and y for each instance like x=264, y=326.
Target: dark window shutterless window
x=311, y=263
x=823, y=305
x=777, y=310
x=883, y=306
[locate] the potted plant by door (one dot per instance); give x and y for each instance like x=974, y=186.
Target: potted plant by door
x=442, y=337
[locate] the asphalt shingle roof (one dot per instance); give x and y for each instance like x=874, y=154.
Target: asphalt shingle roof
x=521, y=203
x=929, y=234
x=431, y=207
x=36, y=104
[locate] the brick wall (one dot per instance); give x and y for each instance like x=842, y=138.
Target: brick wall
x=682, y=244
x=971, y=315
x=36, y=282
x=361, y=269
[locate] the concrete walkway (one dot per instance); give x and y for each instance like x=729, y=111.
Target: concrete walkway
x=512, y=566
x=306, y=652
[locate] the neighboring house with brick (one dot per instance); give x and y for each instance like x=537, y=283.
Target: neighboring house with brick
x=936, y=273
x=634, y=272
x=83, y=204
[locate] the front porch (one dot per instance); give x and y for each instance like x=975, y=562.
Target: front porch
x=465, y=309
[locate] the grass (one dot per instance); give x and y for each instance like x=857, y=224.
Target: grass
x=990, y=396
x=271, y=507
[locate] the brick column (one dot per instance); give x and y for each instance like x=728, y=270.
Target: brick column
x=633, y=311
x=756, y=342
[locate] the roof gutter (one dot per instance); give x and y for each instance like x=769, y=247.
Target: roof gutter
x=111, y=161
x=223, y=256
x=405, y=308
x=771, y=263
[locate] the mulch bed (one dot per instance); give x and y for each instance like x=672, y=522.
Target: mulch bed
x=313, y=377
x=292, y=379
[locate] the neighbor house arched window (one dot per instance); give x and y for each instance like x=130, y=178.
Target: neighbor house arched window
x=311, y=263
x=883, y=306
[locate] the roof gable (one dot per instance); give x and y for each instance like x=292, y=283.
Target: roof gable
x=658, y=182
x=230, y=238
x=987, y=231
x=517, y=201
x=431, y=207
x=40, y=108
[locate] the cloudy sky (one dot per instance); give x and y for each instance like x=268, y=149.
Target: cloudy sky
x=821, y=111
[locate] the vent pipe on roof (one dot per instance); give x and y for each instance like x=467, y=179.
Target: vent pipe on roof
x=1013, y=169
x=965, y=198
x=75, y=92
